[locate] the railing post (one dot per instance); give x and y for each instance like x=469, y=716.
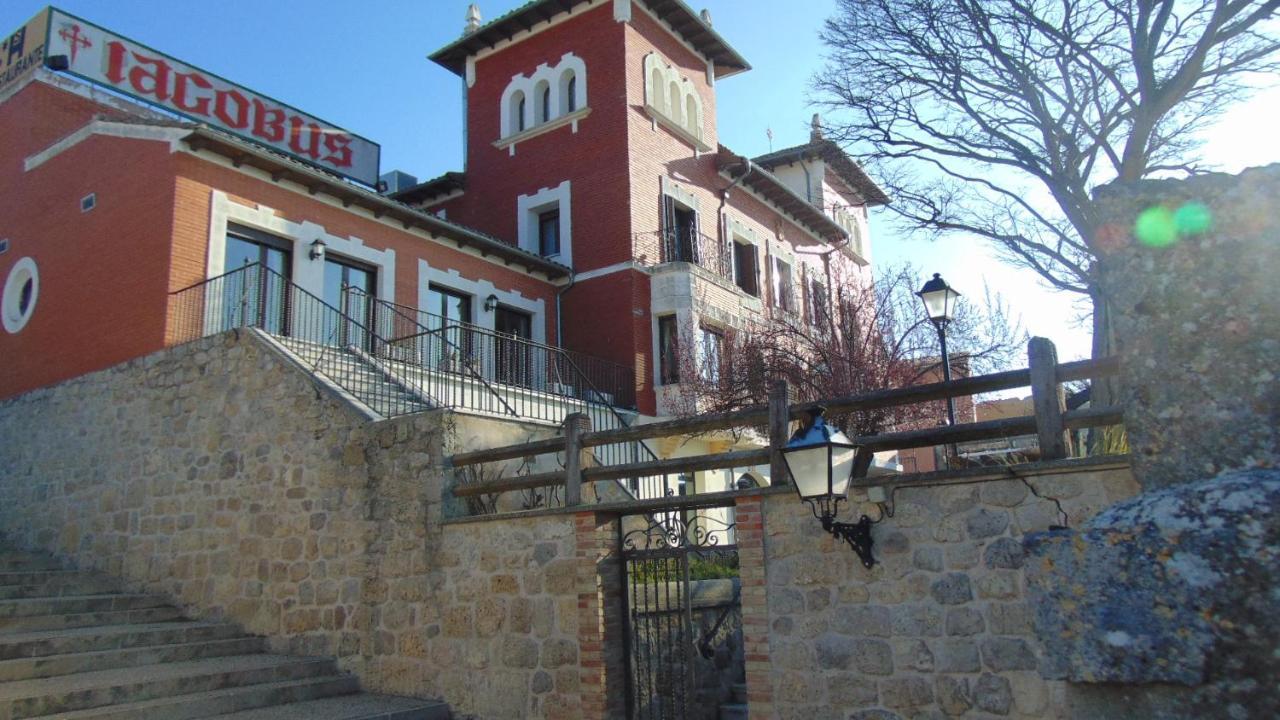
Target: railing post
x=779, y=424
x=1048, y=398
x=576, y=457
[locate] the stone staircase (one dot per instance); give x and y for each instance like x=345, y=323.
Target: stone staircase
x=358, y=375
x=736, y=708
x=74, y=646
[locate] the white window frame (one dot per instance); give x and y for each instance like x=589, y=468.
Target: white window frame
x=530, y=207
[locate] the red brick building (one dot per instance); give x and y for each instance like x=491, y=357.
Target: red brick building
x=597, y=211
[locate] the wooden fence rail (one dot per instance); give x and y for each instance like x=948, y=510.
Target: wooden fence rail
x=1044, y=375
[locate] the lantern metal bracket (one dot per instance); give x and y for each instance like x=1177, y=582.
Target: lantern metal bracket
x=856, y=534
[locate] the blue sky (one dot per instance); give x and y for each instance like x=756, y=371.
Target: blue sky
x=363, y=66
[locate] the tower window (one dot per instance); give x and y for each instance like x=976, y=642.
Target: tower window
x=549, y=232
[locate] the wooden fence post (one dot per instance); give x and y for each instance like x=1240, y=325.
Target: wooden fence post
x=576, y=457
x=1048, y=399
x=779, y=424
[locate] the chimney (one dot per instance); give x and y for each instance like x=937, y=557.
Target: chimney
x=706, y=16
x=473, y=19
x=815, y=128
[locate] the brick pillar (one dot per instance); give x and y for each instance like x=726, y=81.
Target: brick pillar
x=755, y=605
x=600, y=621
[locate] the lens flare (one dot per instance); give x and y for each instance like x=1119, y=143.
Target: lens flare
x=1156, y=227
x=1193, y=218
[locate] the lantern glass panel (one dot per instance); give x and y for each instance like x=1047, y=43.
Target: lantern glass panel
x=809, y=469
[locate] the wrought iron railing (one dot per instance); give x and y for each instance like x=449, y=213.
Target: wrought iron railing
x=334, y=343
x=398, y=360
x=689, y=245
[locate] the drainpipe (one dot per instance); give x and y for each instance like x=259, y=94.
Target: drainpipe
x=573, y=278
x=724, y=198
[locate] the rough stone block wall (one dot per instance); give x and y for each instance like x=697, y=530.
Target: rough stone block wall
x=1194, y=312
x=216, y=473
x=939, y=627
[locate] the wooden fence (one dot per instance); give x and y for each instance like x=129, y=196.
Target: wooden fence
x=1050, y=422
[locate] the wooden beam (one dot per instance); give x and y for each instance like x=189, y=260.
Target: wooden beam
x=741, y=458
x=1047, y=399
x=779, y=425
x=576, y=457
x=928, y=437
x=540, y=447
x=522, y=482
x=1093, y=417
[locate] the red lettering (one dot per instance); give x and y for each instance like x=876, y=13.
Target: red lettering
x=339, y=147
x=155, y=83
x=268, y=122
x=222, y=100
x=313, y=138
x=201, y=105
x=115, y=61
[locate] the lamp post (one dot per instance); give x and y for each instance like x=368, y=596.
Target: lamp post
x=940, y=304
x=820, y=460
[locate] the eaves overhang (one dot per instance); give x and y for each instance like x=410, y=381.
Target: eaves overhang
x=771, y=188
x=686, y=23
x=279, y=167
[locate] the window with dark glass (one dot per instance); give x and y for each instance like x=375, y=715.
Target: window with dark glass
x=573, y=93
x=255, y=288
x=349, y=288
x=520, y=115
x=668, y=351
x=447, y=344
x=549, y=232
x=745, y=273
x=783, y=291
x=24, y=296
x=819, y=304
x=712, y=354
x=546, y=103
x=679, y=231
x=514, y=353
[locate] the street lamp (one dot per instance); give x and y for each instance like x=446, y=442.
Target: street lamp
x=820, y=459
x=940, y=303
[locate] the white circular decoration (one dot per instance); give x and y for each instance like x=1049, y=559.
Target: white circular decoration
x=21, y=290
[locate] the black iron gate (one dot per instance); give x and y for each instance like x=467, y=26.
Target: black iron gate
x=683, y=613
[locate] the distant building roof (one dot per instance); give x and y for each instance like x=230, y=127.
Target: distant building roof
x=683, y=20
x=844, y=166
x=428, y=190
x=769, y=186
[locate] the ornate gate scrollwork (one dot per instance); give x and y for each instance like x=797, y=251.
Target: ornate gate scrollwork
x=683, y=616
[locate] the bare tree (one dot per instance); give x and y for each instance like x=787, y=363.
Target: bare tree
x=998, y=118
x=874, y=336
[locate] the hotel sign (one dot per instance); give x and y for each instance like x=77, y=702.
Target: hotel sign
x=102, y=57
x=21, y=52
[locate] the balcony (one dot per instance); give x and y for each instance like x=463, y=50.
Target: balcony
x=690, y=246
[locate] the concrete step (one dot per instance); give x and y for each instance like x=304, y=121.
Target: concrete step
x=351, y=707
x=219, y=703
x=733, y=712
x=99, y=638
x=27, y=607
x=80, y=620
x=56, y=695
x=38, y=577
x=10, y=562
x=61, y=586
x=71, y=663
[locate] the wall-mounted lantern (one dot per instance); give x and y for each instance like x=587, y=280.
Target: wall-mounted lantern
x=491, y=303
x=820, y=459
x=317, y=249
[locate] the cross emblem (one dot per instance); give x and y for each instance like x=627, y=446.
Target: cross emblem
x=71, y=35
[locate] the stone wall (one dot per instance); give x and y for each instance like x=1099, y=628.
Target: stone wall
x=939, y=627
x=217, y=473
x=1189, y=269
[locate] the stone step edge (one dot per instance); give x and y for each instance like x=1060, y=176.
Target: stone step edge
x=39, y=659
x=130, y=709
x=114, y=629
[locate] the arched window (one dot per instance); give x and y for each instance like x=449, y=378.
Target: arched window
x=692, y=121
x=518, y=123
x=543, y=93
x=568, y=92
x=656, y=86
x=675, y=96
